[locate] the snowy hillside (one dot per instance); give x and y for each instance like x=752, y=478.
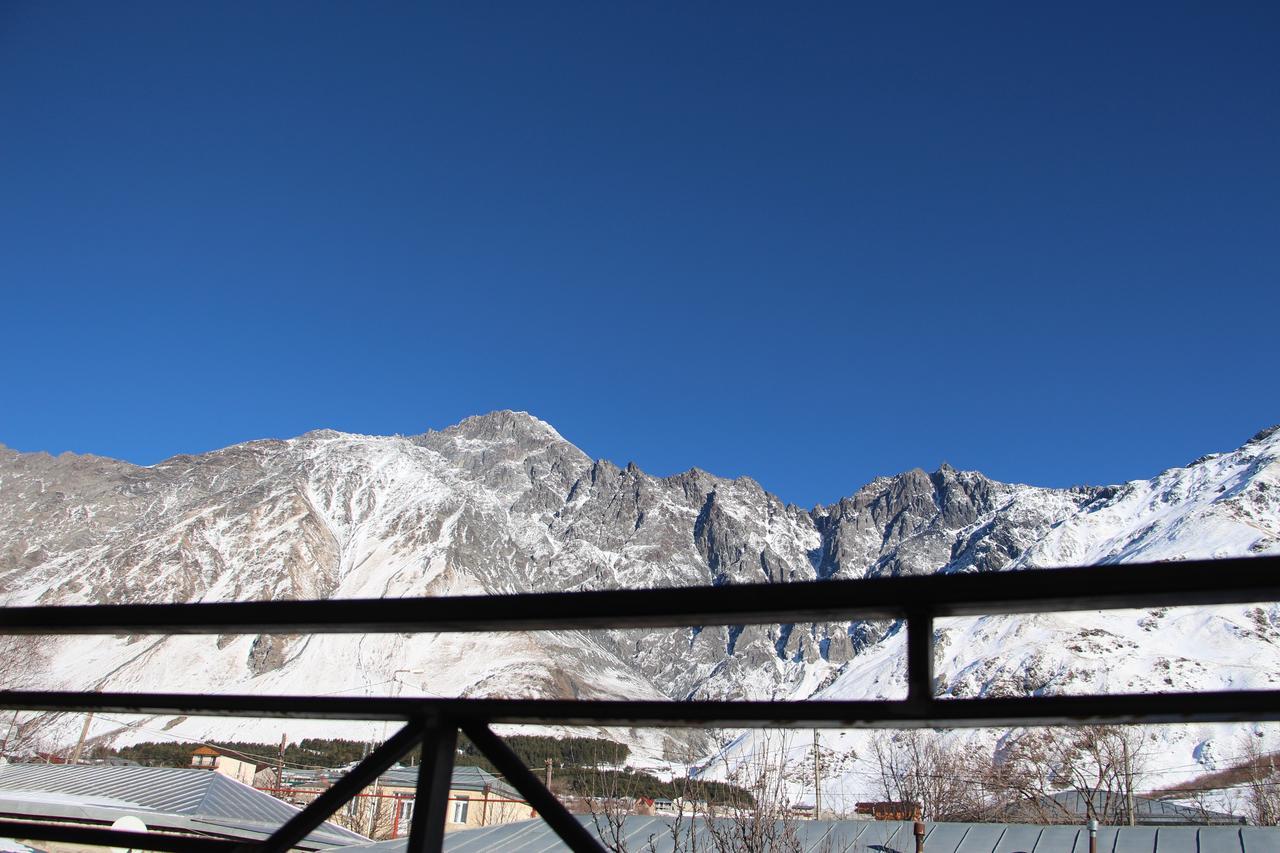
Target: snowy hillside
x=502, y=503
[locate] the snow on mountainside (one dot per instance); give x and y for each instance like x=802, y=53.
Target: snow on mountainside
x=502, y=503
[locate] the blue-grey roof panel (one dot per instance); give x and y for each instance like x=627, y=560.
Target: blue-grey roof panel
x=1062, y=839
x=944, y=837
x=1146, y=809
x=1017, y=838
x=492, y=838
x=982, y=837
x=1178, y=839
x=152, y=791
x=1135, y=839
x=878, y=835
x=1257, y=839
x=464, y=778
x=534, y=836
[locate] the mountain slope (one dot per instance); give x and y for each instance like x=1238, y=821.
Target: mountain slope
x=502, y=503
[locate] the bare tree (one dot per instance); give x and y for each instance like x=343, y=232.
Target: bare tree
x=1262, y=783
x=752, y=814
x=683, y=828
x=611, y=799
x=760, y=819
x=1203, y=801
x=371, y=815
x=25, y=658
x=1102, y=763
x=946, y=782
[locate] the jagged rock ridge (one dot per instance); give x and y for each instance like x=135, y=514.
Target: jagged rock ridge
x=502, y=503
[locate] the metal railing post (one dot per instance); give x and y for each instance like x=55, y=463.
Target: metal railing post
x=919, y=655
x=431, y=804
x=917, y=600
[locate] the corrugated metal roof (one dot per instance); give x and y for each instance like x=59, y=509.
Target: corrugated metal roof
x=465, y=778
x=199, y=796
x=1017, y=838
x=824, y=836
x=1145, y=809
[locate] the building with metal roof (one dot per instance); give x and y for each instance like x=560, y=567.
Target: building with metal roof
x=1077, y=806
x=464, y=778
x=178, y=800
x=476, y=798
x=876, y=836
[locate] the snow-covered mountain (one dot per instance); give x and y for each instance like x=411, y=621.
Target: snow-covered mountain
x=502, y=503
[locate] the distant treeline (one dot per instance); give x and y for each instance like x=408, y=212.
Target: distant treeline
x=583, y=766
x=308, y=752
x=534, y=750
x=631, y=783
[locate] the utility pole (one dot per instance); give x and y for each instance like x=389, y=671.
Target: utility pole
x=284, y=740
x=1128, y=779
x=548, y=774
x=817, y=782
x=84, y=733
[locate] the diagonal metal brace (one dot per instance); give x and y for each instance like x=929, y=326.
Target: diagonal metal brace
x=357, y=779
x=571, y=832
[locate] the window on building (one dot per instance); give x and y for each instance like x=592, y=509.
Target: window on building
x=406, y=810
x=460, y=809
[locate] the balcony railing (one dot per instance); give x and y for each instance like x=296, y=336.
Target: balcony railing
x=434, y=724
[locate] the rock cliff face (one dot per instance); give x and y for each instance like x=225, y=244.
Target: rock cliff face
x=502, y=503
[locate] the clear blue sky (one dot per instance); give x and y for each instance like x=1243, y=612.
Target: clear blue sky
x=811, y=243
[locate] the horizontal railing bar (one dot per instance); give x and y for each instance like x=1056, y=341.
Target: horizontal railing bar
x=1221, y=706
x=1029, y=591
x=72, y=834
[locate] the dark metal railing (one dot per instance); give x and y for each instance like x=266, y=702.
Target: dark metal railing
x=434, y=724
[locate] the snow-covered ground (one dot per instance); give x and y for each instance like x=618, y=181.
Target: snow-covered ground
x=502, y=503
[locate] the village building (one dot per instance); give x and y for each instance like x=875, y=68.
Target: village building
x=189, y=801
x=385, y=809
x=208, y=758
x=477, y=798
x=1075, y=806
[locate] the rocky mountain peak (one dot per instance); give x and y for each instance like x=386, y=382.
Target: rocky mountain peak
x=502, y=503
x=323, y=434
x=1262, y=435
x=503, y=426
x=508, y=447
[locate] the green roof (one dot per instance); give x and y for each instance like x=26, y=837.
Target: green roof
x=465, y=778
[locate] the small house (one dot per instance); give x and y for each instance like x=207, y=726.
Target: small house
x=384, y=810
x=208, y=758
x=476, y=798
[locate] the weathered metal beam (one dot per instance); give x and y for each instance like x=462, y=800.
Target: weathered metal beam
x=552, y=810
x=1030, y=591
x=1220, y=706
